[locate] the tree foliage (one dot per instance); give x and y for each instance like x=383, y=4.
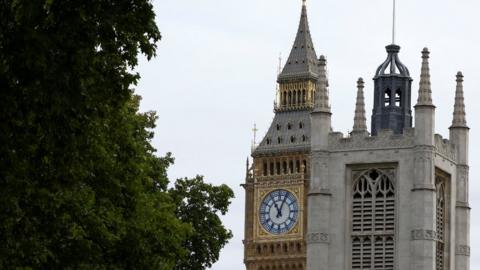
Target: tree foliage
x=198, y=204
x=80, y=184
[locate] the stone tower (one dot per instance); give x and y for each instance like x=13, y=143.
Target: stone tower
x=394, y=198
x=278, y=180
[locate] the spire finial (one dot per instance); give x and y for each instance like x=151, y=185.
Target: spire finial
x=321, y=95
x=360, y=121
x=304, y=3
x=394, y=21
x=459, y=118
x=425, y=90
x=254, y=129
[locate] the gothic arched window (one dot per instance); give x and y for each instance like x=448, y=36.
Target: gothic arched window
x=440, y=211
x=373, y=221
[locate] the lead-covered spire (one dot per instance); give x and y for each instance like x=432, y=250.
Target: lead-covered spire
x=459, y=116
x=302, y=62
x=321, y=93
x=360, y=121
x=425, y=90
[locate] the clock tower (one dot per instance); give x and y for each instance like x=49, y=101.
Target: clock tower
x=277, y=181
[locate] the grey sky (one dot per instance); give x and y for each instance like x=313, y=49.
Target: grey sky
x=215, y=74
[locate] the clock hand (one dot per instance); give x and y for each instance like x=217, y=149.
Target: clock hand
x=284, y=199
x=279, y=213
x=274, y=203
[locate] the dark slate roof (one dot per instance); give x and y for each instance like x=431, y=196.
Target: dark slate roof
x=302, y=62
x=299, y=130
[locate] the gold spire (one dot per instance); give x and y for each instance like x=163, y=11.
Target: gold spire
x=321, y=95
x=360, y=121
x=459, y=119
x=425, y=90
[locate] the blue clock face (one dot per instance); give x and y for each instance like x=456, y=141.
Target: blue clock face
x=279, y=211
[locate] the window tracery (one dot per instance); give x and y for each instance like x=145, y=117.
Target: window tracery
x=373, y=221
x=440, y=223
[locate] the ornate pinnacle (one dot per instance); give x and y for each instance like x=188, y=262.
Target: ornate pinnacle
x=360, y=121
x=321, y=93
x=459, y=119
x=425, y=90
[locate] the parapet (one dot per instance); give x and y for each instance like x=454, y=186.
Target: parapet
x=444, y=147
x=386, y=139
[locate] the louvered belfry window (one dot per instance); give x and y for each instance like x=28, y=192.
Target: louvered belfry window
x=440, y=208
x=373, y=221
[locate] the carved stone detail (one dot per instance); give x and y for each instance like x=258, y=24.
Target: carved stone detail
x=424, y=235
x=318, y=237
x=444, y=147
x=463, y=250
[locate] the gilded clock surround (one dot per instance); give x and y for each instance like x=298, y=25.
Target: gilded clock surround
x=296, y=232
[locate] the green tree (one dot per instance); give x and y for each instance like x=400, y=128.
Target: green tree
x=198, y=204
x=80, y=184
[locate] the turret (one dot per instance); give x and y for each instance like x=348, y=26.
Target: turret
x=392, y=94
x=360, y=121
x=459, y=133
x=424, y=109
x=459, y=129
x=319, y=191
x=321, y=115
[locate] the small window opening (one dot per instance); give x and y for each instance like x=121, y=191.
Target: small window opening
x=271, y=168
x=268, y=141
x=290, y=166
x=265, y=169
x=277, y=165
x=387, y=98
x=292, y=139
x=304, y=138
x=284, y=166
x=298, y=166
x=279, y=140
x=398, y=98
x=300, y=125
x=289, y=126
x=278, y=126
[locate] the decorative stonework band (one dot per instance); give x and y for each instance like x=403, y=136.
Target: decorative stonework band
x=463, y=250
x=318, y=238
x=425, y=187
x=424, y=235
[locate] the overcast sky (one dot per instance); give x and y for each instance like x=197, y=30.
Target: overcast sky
x=215, y=75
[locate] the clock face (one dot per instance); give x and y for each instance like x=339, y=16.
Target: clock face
x=279, y=211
